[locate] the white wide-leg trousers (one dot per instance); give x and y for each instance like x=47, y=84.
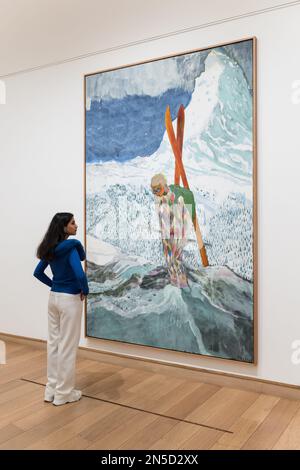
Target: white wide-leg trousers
x=64, y=324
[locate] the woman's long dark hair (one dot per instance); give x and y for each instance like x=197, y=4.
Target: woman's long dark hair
x=54, y=235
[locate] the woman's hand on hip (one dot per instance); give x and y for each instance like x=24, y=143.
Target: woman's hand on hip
x=82, y=296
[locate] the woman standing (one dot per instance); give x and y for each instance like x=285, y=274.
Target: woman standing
x=68, y=289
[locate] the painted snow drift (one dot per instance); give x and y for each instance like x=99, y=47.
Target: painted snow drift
x=131, y=297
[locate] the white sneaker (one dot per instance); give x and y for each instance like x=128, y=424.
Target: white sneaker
x=49, y=396
x=75, y=395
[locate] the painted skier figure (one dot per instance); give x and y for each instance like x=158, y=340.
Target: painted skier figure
x=176, y=208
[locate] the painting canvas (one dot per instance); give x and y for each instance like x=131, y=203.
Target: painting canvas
x=170, y=183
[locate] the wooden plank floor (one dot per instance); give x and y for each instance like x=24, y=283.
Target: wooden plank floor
x=126, y=407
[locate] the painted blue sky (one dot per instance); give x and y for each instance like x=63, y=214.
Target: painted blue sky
x=129, y=127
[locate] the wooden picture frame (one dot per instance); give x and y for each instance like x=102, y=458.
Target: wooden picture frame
x=254, y=324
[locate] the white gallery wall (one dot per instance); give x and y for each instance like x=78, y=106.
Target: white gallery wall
x=42, y=172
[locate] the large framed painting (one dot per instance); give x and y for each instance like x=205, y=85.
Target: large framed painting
x=170, y=202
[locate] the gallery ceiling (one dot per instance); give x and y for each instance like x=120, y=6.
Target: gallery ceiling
x=34, y=33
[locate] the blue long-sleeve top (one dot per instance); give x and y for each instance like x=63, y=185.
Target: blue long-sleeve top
x=68, y=275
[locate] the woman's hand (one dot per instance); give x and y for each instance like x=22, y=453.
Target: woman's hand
x=82, y=296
